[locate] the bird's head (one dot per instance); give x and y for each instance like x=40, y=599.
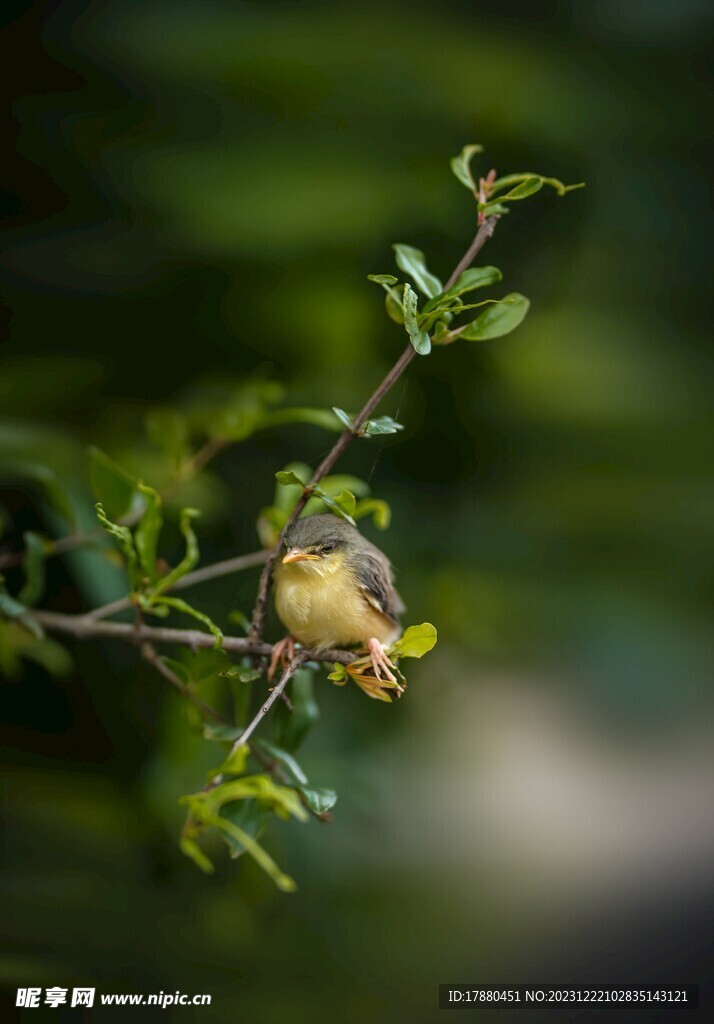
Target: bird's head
x=320, y=543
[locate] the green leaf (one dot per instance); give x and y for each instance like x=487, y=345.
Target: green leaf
x=347, y=502
x=461, y=165
x=476, y=305
x=317, y=417
x=393, y=304
x=336, y=482
x=122, y=534
x=287, y=491
x=12, y=609
x=242, y=672
x=291, y=727
x=413, y=262
x=497, y=320
x=220, y=733
x=170, y=430
x=284, y=882
x=318, y=800
x=526, y=188
x=288, y=479
x=419, y=339
x=282, y=799
x=381, y=425
x=179, y=668
x=233, y=411
x=393, y=298
x=241, y=690
x=334, y=504
x=469, y=281
x=488, y=209
x=55, y=492
x=191, y=849
x=182, y=606
x=34, y=565
x=421, y=342
x=250, y=816
x=414, y=642
x=338, y=674
x=146, y=534
x=240, y=619
x=326, y=495
x=112, y=485
x=343, y=417
x=189, y=560
x=441, y=334
x=513, y=179
x=9, y=607
x=234, y=764
x=286, y=761
x=21, y=639
x=377, y=508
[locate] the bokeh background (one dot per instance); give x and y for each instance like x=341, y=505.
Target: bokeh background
x=197, y=194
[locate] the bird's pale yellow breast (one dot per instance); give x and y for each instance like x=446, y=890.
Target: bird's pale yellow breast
x=322, y=606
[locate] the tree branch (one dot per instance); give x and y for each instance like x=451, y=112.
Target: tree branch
x=81, y=627
x=261, y=604
x=482, y=236
x=208, y=572
x=270, y=765
x=276, y=692
x=300, y=658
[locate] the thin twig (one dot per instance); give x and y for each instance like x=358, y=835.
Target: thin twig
x=208, y=572
x=482, y=236
x=288, y=673
x=300, y=658
x=261, y=603
x=81, y=626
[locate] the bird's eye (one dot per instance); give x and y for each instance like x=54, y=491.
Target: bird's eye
x=327, y=548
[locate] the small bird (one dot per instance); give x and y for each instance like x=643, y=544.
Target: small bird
x=333, y=588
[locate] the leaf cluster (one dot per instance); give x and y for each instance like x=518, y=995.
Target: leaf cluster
x=149, y=578
x=432, y=323
x=240, y=802
x=345, y=496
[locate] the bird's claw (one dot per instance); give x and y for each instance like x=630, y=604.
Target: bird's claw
x=283, y=654
x=381, y=663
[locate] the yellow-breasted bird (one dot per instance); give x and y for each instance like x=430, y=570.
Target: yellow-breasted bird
x=333, y=588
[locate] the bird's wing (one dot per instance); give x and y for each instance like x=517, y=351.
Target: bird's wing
x=375, y=578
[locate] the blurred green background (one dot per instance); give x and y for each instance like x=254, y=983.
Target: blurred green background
x=198, y=193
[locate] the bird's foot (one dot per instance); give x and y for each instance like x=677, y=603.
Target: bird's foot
x=283, y=654
x=381, y=663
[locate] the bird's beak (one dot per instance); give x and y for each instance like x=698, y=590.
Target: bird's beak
x=296, y=555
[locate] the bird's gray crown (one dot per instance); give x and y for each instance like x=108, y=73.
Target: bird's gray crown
x=320, y=529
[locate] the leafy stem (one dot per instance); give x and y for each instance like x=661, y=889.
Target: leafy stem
x=257, y=626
